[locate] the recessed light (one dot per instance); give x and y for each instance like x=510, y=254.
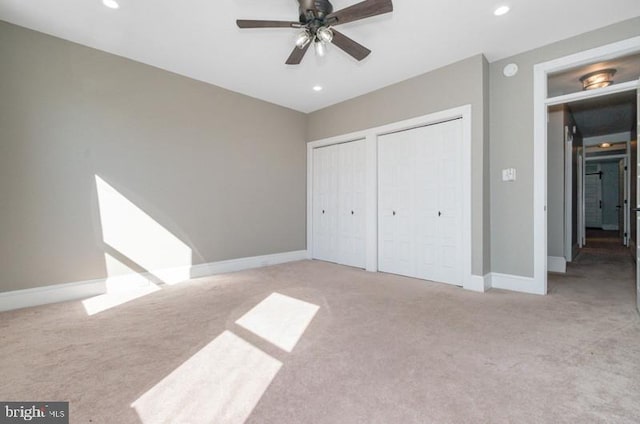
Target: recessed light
x=111, y=4
x=502, y=10
x=605, y=145
x=317, y=88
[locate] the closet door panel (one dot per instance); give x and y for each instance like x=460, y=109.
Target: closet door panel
x=325, y=201
x=426, y=191
x=351, y=203
x=396, y=210
x=448, y=138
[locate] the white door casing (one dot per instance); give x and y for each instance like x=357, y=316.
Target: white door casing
x=568, y=194
x=541, y=103
x=581, y=229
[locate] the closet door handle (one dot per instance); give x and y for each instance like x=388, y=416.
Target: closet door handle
x=394, y=213
x=439, y=213
x=323, y=211
x=351, y=212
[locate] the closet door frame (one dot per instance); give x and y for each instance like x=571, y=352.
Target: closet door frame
x=471, y=282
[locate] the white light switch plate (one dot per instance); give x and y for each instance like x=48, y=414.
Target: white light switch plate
x=509, y=174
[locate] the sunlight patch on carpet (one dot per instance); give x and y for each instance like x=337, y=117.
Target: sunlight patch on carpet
x=279, y=319
x=97, y=304
x=222, y=383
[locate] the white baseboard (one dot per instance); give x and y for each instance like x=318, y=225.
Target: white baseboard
x=479, y=283
x=556, y=264
x=515, y=283
x=574, y=252
x=233, y=265
x=83, y=289
x=610, y=227
x=51, y=294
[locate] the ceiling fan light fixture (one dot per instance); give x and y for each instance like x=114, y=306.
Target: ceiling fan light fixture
x=597, y=79
x=303, y=39
x=324, y=34
x=111, y=4
x=502, y=10
x=320, y=48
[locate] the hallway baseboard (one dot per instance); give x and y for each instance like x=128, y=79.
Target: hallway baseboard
x=556, y=264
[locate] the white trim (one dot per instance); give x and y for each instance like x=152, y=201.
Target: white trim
x=540, y=101
x=371, y=135
x=568, y=195
x=515, y=283
x=51, y=294
x=592, y=94
x=620, y=137
x=83, y=289
x=603, y=158
x=557, y=264
x=610, y=227
x=241, y=264
x=371, y=202
x=479, y=283
x=309, y=202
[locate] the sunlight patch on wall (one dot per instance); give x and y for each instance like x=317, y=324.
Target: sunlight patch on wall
x=279, y=319
x=138, y=237
x=222, y=383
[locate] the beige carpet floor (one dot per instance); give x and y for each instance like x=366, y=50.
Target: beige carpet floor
x=380, y=349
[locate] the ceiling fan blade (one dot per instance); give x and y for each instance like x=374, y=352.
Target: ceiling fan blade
x=248, y=23
x=358, y=51
x=297, y=54
x=362, y=10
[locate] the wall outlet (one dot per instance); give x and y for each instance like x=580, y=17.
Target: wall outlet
x=509, y=174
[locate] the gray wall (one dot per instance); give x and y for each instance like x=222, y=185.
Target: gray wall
x=512, y=146
x=555, y=182
x=223, y=172
x=464, y=82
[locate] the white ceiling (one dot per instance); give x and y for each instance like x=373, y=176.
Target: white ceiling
x=199, y=39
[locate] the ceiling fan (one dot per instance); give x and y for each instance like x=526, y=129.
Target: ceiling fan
x=317, y=20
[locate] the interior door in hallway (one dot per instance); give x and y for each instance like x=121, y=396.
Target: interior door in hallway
x=638, y=203
x=593, y=196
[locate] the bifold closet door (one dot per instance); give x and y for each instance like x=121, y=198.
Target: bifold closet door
x=351, y=203
x=396, y=156
x=420, y=216
x=325, y=203
x=338, y=203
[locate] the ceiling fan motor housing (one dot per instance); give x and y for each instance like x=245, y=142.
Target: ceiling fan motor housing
x=314, y=10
